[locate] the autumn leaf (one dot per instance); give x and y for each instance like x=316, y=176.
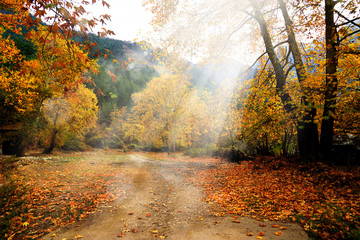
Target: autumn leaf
x=250, y=234
x=278, y=233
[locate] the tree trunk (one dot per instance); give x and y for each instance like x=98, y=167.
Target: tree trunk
x=52, y=143
x=53, y=136
x=331, y=84
x=308, y=138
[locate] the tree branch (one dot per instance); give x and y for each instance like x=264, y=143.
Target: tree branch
x=348, y=35
x=230, y=35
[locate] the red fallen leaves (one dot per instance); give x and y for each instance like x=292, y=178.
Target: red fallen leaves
x=277, y=190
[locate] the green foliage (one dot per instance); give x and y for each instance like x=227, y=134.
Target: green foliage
x=27, y=48
x=74, y=142
x=198, y=152
x=118, y=93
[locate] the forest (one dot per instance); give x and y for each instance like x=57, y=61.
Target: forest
x=298, y=98
x=269, y=84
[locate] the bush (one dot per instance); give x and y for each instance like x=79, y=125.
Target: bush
x=74, y=143
x=116, y=142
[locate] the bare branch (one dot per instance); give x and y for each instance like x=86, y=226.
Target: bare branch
x=262, y=55
x=354, y=52
x=232, y=33
x=349, y=21
x=289, y=69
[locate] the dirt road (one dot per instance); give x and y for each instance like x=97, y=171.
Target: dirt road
x=160, y=203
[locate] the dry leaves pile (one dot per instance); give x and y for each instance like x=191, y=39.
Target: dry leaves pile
x=54, y=192
x=325, y=201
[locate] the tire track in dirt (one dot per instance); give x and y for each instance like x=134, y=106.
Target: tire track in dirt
x=160, y=204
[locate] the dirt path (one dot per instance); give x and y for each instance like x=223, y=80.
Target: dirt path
x=160, y=203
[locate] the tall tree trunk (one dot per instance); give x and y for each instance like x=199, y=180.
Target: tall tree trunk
x=308, y=136
x=53, y=136
x=331, y=84
x=52, y=143
x=308, y=140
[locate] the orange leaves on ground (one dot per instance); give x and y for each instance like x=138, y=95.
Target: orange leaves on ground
x=54, y=192
x=273, y=189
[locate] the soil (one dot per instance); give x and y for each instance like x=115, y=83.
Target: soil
x=161, y=203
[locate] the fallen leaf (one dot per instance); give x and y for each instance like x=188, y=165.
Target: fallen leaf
x=250, y=234
x=131, y=213
x=53, y=235
x=148, y=215
x=121, y=234
x=78, y=236
x=155, y=231
x=258, y=237
x=262, y=225
x=261, y=233
x=275, y=226
x=236, y=221
x=283, y=228
x=278, y=233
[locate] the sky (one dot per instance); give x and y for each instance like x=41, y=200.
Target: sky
x=129, y=19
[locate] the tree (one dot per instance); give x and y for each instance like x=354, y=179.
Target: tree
x=307, y=129
x=73, y=114
x=278, y=32
x=334, y=40
x=26, y=84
